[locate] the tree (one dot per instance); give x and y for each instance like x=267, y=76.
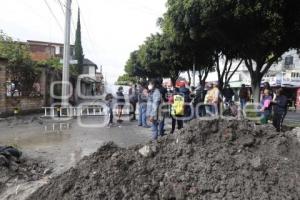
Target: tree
x=227, y=70
x=133, y=65
x=126, y=79
x=22, y=71
x=257, y=31
x=180, y=23
x=78, y=46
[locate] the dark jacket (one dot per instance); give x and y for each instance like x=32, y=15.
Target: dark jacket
x=120, y=97
x=186, y=93
x=164, y=93
x=280, y=105
x=200, y=95
x=228, y=93
x=133, y=95
x=244, y=93
x=142, y=98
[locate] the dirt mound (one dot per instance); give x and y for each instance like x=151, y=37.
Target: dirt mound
x=211, y=159
x=15, y=169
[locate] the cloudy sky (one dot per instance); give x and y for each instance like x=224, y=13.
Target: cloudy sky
x=111, y=29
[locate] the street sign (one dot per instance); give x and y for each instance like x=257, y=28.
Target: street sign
x=71, y=62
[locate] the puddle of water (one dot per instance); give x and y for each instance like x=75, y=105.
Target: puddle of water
x=63, y=144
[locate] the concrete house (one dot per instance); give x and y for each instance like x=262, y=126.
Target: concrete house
x=91, y=82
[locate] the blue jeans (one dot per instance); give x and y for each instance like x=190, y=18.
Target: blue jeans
x=142, y=114
x=156, y=129
x=162, y=126
x=243, y=103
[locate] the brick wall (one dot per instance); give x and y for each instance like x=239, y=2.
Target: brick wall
x=41, y=52
x=8, y=104
x=24, y=104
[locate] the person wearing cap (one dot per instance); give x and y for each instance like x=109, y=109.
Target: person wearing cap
x=120, y=103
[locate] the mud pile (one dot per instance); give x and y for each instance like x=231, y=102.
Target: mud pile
x=15, y=169
x=210, y=159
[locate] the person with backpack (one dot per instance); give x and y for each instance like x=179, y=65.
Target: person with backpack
x=266, y=107
x=153, y=103
x=176, y=100
x=133, y=99
x=120, y=103
x=280, y=106
x=142, y=100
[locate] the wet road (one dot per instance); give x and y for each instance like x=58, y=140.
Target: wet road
x=66, y=142
x=293, y=118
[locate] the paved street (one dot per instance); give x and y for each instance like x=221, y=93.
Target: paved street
x=293, y=118
x=64, y=143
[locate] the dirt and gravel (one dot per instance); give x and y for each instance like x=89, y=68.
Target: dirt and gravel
x=16, y=170
x=210, y=159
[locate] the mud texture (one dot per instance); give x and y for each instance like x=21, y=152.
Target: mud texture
x=210, y=159
x=14, y=171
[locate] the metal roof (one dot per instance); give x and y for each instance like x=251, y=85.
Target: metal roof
x=87, y=62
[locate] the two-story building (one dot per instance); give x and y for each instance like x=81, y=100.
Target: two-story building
x=89, y=80
x=41, y=51
x=91, y=84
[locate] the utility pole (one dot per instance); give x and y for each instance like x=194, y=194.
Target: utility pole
x=66, y=56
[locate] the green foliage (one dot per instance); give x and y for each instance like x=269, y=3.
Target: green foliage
x=15, y=52
x=78, y=46
x=54, y=63
x=200, y=32
x=126, y=79
x=22, y=71
x=133, y=63
x=256, y=31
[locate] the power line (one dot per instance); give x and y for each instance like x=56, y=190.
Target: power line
x=53, y=15
x=61, y=6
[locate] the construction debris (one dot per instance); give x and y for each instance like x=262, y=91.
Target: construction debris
x=15, y=169
x=210, y=159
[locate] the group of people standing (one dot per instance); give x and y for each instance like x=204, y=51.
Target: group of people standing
x=156, y=103
x=273, y=105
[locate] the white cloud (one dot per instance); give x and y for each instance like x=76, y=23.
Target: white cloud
x=115, y=27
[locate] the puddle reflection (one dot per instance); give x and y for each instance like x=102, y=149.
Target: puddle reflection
x=57, y=127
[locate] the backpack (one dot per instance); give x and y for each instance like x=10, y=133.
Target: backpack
x=178, y=106
x=133, y=95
